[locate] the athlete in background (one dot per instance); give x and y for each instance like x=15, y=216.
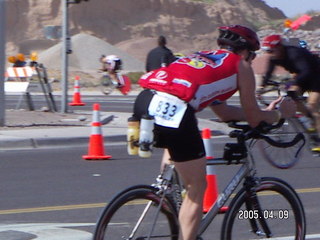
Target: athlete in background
x=305, y=68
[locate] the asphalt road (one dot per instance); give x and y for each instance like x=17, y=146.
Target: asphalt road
x=56, y=188
x=54, y=191
x=107, y=103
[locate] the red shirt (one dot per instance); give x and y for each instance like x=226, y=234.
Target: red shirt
x=198, y=79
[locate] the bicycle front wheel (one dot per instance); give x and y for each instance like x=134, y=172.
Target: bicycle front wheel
x=138, y=214
x=106, y=85
x=281, y=216
x=283, y=157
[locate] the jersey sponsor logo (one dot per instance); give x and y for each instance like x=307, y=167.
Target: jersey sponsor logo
x=202, y=59
x=158, y=81
x=148, y=74
x=213, y=90
x=182, y=82
x=213, y=60
x=161, y=75
x=192, y=62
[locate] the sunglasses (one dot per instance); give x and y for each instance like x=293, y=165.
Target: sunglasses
x=251, y=56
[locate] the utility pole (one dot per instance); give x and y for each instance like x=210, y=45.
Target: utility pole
x=66, y=50
x=2, y=61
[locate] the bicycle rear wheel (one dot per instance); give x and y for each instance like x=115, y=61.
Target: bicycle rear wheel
x=136, y=214
x=283, y=157
x=281, y=208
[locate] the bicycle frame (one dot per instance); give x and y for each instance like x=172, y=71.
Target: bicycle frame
x=243, y=172
x=168, y=190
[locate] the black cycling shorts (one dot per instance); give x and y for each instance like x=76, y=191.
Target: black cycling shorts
x=183, y=143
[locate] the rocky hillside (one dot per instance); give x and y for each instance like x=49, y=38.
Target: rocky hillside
x=132, y=26
x=187, y=24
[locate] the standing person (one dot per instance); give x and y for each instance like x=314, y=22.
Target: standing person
x=175, y=93
x=160, y=56
x=306, y=69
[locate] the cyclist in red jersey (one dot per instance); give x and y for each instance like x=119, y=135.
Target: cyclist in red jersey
x=173, y=95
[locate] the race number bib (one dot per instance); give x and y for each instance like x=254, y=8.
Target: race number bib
x=167, y=110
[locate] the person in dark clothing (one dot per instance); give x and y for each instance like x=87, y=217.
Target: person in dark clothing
x=160, y=56
x=305, y=68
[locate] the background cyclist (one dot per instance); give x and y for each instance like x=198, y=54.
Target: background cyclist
x=112, y=64
x=306, y=69
x=175, y=93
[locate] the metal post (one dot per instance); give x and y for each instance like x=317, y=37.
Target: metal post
x=2, y=62
x=65, y=52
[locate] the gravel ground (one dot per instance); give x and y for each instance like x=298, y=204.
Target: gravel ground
x=37, y=119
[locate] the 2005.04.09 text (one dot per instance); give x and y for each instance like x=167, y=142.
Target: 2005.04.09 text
x=266, y=214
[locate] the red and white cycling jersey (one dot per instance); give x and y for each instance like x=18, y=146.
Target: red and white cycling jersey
x=198, y=79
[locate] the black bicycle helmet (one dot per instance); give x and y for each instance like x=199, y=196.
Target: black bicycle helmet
x=238, y=37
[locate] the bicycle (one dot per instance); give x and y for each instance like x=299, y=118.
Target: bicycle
x=107, y=85
x=300, y=123
x=262, y=204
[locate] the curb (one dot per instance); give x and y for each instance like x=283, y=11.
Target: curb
x=116, y=134
x=33, y=143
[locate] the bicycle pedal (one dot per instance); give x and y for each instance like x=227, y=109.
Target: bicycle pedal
x=311, y=130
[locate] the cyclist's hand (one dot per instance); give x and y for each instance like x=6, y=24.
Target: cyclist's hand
x=287, y=107
x=273, y=104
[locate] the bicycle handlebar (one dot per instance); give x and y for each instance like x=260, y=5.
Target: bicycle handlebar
x=263, y=127
x=259, y=131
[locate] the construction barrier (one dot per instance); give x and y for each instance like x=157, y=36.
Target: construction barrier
x=96, y=145
x=22, y=80
x=19, y=72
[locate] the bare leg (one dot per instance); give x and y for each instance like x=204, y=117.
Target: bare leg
x=165, y=159
x=313, y=106
x=193, y=174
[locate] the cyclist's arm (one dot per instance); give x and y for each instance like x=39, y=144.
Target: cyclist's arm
x=228, y=113
x=250, y=110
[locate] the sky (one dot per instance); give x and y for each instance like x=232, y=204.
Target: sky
x=292, y=8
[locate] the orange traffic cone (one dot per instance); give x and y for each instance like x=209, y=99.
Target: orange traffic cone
x=212, y=192
x=206, y=138
x=76, y=94
x=96, y=146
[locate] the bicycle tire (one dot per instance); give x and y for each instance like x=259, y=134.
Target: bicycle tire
x=283, y=158
x=276, y=198
x=121, y=215
x=106, y=85
x=268, y=95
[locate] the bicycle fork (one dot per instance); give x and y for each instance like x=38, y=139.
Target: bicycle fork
x=163, y=185
x=253, y=204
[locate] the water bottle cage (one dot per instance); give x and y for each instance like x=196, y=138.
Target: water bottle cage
x=145, y=146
